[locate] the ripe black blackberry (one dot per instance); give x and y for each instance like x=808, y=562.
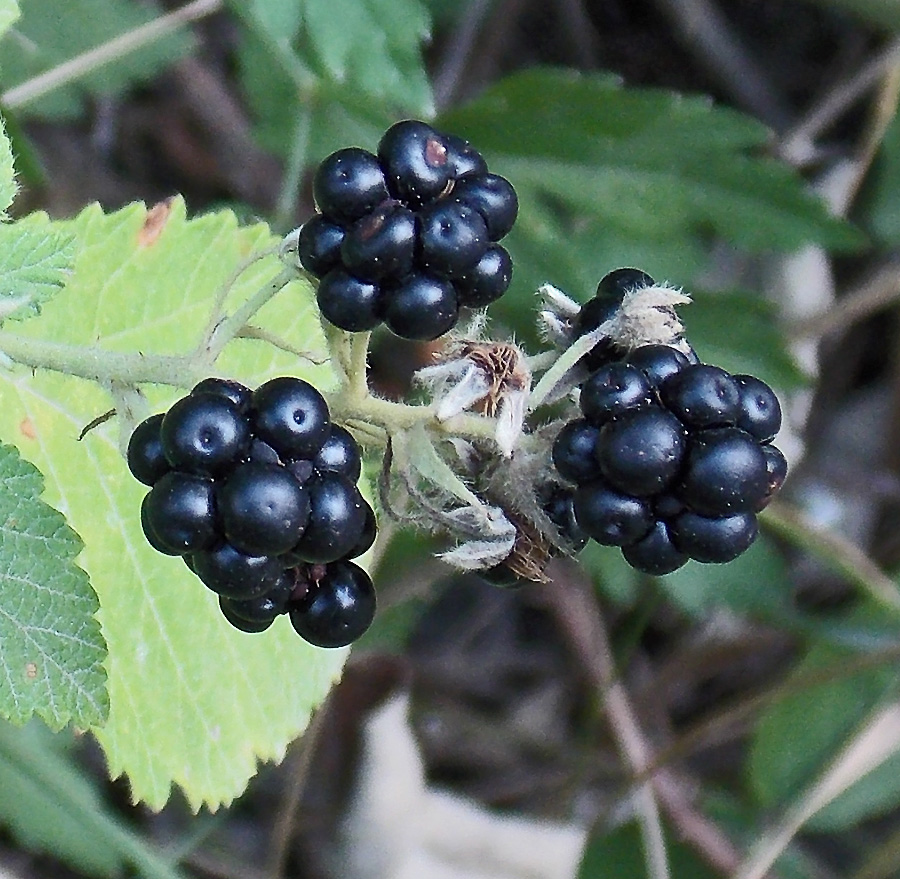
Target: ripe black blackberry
x=408, y=236
x=673, y=458
x=256, y=490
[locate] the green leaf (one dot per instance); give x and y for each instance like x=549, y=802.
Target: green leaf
x=754, y=343
x=54, y=31
x=354, y=67
x=9, y=13
x=35, y=256
x=799, y=736
x=52, y=649
x=7, y=171
x=620, y=855
x=648, y=163
x=881, y=195
x=50, y=805
x=192, y=701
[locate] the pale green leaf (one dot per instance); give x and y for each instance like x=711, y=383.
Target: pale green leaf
x=51, y=649
x=9, y=13
x=192, y=701
x=50, y=805
x=35, y=256
x=51, y=32
x=7, y=171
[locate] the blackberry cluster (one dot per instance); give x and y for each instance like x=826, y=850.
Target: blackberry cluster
x=409, y=235
x=256, y=490
x=672, y=459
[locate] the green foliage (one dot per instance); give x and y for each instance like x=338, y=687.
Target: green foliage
x=35, y=256
x=9, y=13
x=881, y=200
x=50, y=805
x=7, y=172
x=51, y=32
x=800, y=735
x=190, y=699
x=53, y=651
x=346, y=67
x=619, y=855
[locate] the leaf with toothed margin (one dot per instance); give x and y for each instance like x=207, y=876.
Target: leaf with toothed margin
x=192, y=702
x=51, y=649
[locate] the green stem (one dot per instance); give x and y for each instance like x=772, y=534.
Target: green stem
x=101, y=365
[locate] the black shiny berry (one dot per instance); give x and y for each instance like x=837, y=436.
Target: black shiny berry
x=417, y=162
x=493, y=197
x=487, y=280
x=657, y=362
x=338, y=609
x=655, y=553
x=575, y=451
x=702, y=396
x=610, y=294
x=339, y=454
x=348, y=184
x=228, y=388
x=641, y=452
x=180, y=511
x=263, y=509
x=349, y=303
x=251, y=627
x=319, y=246
x=366, y=536
x=237, y=575
x=776, y=473
x=291, y=416
x=421, y=308
x=560, y=510
x=612, y=390
x=336, y=521
x=204, y=433
x=452, y=239
x=760, y=411
x=610, y=517
x=725, y=472
x=266, y=607
x=462, y=157
x=381, y=244
x=145, y=456
x=713, y=539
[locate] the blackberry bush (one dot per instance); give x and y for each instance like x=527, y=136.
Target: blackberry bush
x=408, y=236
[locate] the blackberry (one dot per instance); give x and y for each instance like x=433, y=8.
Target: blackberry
x=262, y=610
x=560, y=510
x=242, y=624
x=349, y=303
x=452, y=239
x=234, y=574
x=291, y=416
x=146, y=459
x=422, y=308
x=575, y=451
x=338, y=608
x=319, y=247
x=641, y=452
x=367, y=534
x=725, y=473
x=339, y=454
x=655, y=553
x=609, y=516
x=179, y=512
x=776, y=472
x=493, y=197
x=204, y=433
x=657, y=362
x=416, y=161
x=264, y=510
x=487, y=280
x=336, y=520
x=703, y=396
x=381, y=244
x=760, y=412
x=708, y=539
x=227, y=388
x=411, y=231
x=612, y=390
x=348, y=184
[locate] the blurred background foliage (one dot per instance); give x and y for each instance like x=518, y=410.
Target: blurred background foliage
x=747, y=150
